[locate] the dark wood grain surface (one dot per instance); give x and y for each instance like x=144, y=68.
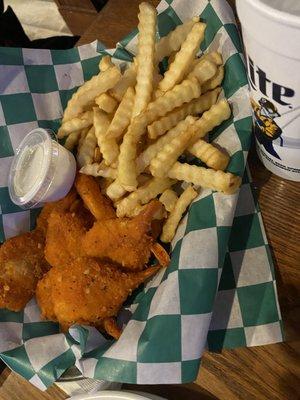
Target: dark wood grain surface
x=268, y=372
x=13, y=387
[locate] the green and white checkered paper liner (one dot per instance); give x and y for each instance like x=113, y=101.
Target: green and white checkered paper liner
x=219, y=290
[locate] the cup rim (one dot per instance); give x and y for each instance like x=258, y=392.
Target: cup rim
x=282, y=17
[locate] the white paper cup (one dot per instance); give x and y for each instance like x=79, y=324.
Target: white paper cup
x=271, y=33
x=113, y=395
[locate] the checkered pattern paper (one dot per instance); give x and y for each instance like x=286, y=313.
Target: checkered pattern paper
x=219, y=290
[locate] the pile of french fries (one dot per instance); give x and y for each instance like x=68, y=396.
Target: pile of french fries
x=130, y=128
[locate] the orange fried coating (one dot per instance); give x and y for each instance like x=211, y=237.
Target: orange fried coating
x=160, y=254
x=156, y=228
x=89, y=190
x=110, y=326
x=87, y=291
x=43, y=295
x=124, y=241
x=64, y=234
x=22, y=259
x=63, y=205
x=22, y=264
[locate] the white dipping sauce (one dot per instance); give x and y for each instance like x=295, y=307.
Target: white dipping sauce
x=30, y=170
x=42, y=170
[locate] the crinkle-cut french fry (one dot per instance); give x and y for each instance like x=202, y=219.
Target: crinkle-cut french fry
x=162, y=125
x=89, y=90
x=83, y=134
x=168, y=199
x=108, y=146
x=207, y=178
x=192, y=66
x=97, y=155
x=86, y=151
x=184, y=92
x=76, y=124
x=143, y=195
x=158, y=93
x=181, y=93
x=210, y=119
x=127, y=172
x=141, y=145
x=90, y=169
x=210, y=155
x=108, y=172
x=106, y=102
x=115, y=190
x=110, y=150
x=218, y=113
x=105, y=63
x=143, y=178
x=173, y=40
x=150, y=152
x=172, y=58
x=203, y=71
x=169, y=154
x=214, y=81
x=176, y=214
x=157, y=77
x=122, y=117
x=101, y=123
x=197, y=106
x=160, y=214
x=145, y=58
x=97, y=169
x=183, y=58
x=127, y=79
x=214, y=57
x=72, y=140
x=213, y=117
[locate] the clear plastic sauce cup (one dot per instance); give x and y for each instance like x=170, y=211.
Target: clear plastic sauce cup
x=42, y=170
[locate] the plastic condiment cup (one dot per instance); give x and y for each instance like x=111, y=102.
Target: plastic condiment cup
x=271, y=33
x=42, y=170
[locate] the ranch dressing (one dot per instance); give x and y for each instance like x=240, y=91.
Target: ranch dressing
x=30, y=173
x=42, y=170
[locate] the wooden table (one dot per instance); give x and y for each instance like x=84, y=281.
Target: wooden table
x=266, y=372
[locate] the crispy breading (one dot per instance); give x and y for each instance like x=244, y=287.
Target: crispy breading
x=22, y=264
x=124, y=241
x=64, y=234
x=109, y=325
x=89, y=190
x=43, y=294
x=22, y=259
x=87, y=291
x=156, y=228
x=63, y=204
x=161, y=254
